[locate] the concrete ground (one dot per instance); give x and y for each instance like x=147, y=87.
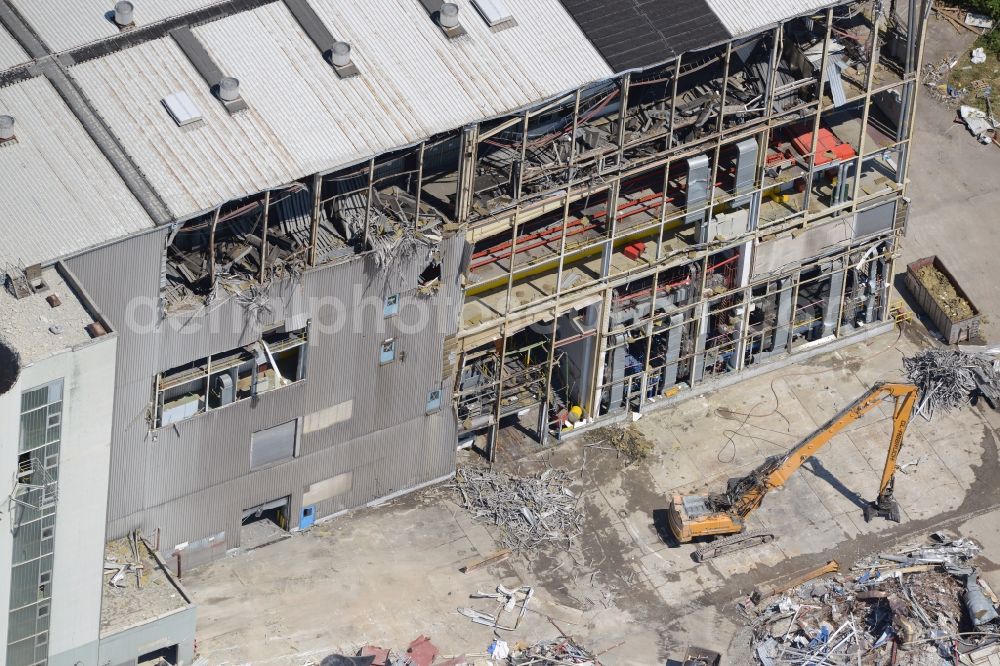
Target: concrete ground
x=388, y=574
x=953, y=189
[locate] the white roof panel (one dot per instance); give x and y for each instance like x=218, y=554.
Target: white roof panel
x=742, y=17
x=60, y=195
x=302, y=118
x=11, y=52
x=66, y=24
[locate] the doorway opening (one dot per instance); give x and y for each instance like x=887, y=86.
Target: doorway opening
x=264, y=524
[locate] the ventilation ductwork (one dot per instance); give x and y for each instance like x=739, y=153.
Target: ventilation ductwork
x=448, y=16
x=225, y=88
x=6, y=128
x=445, y=14
x=336, y=52
x=123, y=14
x=229, y=89
x=340, y=54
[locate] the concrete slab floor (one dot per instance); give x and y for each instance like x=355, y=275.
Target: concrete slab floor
x=388, y=574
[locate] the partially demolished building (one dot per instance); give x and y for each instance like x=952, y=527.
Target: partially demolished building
x=331, y=240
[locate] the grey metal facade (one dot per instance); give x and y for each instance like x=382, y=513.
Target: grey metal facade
x=192, y=479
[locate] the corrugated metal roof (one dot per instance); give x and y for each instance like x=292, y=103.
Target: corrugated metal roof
x=64, y=25
x=11, y=52
x=59, y=194
x=633, y=34
x=741, y=17
x=302, y=117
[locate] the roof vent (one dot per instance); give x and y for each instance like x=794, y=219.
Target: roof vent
x=7, y=129
x=340, y=54
x=123, y=14
x=448, y=16
x=229, y=89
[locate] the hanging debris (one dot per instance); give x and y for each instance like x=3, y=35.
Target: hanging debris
x=950, y=379
x=529, y=512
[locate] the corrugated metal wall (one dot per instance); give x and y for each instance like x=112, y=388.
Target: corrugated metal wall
x=123, y=279
x=192, y=479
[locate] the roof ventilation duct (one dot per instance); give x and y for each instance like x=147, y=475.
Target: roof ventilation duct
x=334, y=51
x=340, y=54
x=123, y=14
x=229, y=89
x=6, y=128
x=448, y=16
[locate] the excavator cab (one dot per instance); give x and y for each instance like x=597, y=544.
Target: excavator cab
x=689, y=516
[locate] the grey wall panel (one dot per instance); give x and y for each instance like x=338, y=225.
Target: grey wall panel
x=123, y=279
x=193, y=478
x=382, y=463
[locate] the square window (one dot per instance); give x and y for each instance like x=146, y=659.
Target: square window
x=43, y=610
x=391, y=306
x=51, y=460
x=55, y=419
x=42, y=638
x=433, y=401
x=388, y=353
x=47, y=532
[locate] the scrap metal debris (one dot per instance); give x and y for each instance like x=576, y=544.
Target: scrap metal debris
x=911, y=606
x=508, y=600
x=528, y=511
x=949, y=379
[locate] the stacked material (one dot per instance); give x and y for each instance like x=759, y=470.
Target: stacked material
x=950, y=379
x=528, y=511
x=921, y=604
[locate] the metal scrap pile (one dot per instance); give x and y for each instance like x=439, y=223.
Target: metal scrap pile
x=552, y=653
x=921, y=604
x=949, y=379
x=528, y=511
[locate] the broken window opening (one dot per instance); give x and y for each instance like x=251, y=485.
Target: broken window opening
x=278, y=359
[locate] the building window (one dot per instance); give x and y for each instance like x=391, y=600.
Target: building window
x=434, y=401
x=388, y=353
x=391, y=306
x=41, y=416
x=276, y=360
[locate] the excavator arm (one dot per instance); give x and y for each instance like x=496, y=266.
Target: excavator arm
x=746, y=494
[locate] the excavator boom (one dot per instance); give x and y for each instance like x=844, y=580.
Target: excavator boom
x=703, y=515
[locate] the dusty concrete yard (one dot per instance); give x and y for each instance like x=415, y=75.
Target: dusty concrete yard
x=388, y=574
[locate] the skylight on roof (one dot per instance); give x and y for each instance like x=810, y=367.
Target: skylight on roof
x=494, y=12
x=182, y=108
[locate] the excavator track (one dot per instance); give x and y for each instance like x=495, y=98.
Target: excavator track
x=733, y=543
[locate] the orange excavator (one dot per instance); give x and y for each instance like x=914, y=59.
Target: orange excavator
x=721, y=514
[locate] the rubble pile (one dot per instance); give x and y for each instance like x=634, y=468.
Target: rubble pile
x=421, y=652
x=528, y=511
x=949, y=379
x=923, y=604
x=631, y=444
